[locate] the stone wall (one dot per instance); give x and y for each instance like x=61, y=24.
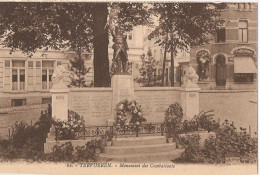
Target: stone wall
x=95, y=104
x=155, y=101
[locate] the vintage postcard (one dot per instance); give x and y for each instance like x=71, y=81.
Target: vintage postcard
x=128, y=87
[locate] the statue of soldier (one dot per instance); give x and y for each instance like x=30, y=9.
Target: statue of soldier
x=120, y=46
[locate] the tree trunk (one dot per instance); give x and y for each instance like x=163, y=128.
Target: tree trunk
x=172, y=68
x=164, y=58
x=100, y=43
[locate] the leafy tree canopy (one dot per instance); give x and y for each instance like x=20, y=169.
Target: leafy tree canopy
x=32, y=26
x=185, y=24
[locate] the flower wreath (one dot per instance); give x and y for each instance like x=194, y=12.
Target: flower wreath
x=173, y=117
x=125, y=106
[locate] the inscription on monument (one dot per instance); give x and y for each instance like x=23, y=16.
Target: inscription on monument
x=94, y=108
x=154, y=104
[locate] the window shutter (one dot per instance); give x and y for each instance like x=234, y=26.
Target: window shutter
x=31, y=76
x=38, y=75
x=7, y=76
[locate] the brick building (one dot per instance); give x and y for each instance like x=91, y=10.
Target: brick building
x=229, y=61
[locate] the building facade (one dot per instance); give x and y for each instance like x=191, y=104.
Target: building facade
x=229, y=61
x=181, y=59
x=27, y=81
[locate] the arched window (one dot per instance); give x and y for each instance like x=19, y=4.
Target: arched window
x=203, y=60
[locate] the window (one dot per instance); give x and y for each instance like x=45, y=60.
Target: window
x=130, y=36
x=47, y=71
x=18, y=102
x=30, y=63
x=38, y=64
x=241, y=6
x=203, y=60
x=243, y=77
x=46, y=100
x=243, y=31
x=221, y=35
x=18, y=75
x=244, y=6
x=7, y=63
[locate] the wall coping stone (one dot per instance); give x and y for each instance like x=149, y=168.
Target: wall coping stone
x=158, y=88
x=228, y=91
x=60, y=90
x=91, y=89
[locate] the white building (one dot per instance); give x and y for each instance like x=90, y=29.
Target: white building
x=27, y=81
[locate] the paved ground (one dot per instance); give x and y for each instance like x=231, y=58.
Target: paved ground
x=238, y=107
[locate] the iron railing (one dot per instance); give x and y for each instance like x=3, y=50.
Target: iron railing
x=99, y=131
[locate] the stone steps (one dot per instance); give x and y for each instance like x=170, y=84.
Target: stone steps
x=145, y=157
x=141, y=149
x=132, y=141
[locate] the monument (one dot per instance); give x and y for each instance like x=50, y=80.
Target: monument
x=190, y=93
x=60, y=94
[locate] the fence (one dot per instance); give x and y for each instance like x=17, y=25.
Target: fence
x=127, y=130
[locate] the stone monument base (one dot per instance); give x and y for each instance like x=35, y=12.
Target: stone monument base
x=123, y=88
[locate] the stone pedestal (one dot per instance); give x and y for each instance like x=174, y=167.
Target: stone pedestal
x=60, y=103
x=190, y=102
x=123, y=88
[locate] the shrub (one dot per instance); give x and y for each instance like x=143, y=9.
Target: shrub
x=193, y=151
x=173, y=117
x=202, y=121
x=61, y=153
x=69, y=130
x=27, y=140
x=84, y=154
x=96, y=144
x=66, y=152
x=227, y=141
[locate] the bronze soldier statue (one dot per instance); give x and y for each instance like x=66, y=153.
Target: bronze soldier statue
x=120, y=58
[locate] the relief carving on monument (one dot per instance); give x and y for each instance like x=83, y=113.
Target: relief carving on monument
x=58, y=77
x=190, y=78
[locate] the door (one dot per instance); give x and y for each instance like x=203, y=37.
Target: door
x=220, y=71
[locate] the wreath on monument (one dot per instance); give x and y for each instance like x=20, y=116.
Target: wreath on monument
x=173, y=117
x=135, y=111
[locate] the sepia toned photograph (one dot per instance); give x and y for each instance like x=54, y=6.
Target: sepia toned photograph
x=124, y=87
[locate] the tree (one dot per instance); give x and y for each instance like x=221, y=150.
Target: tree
x=77, y=27
x=188, y=25
x=79, y=71
x=147, y=71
